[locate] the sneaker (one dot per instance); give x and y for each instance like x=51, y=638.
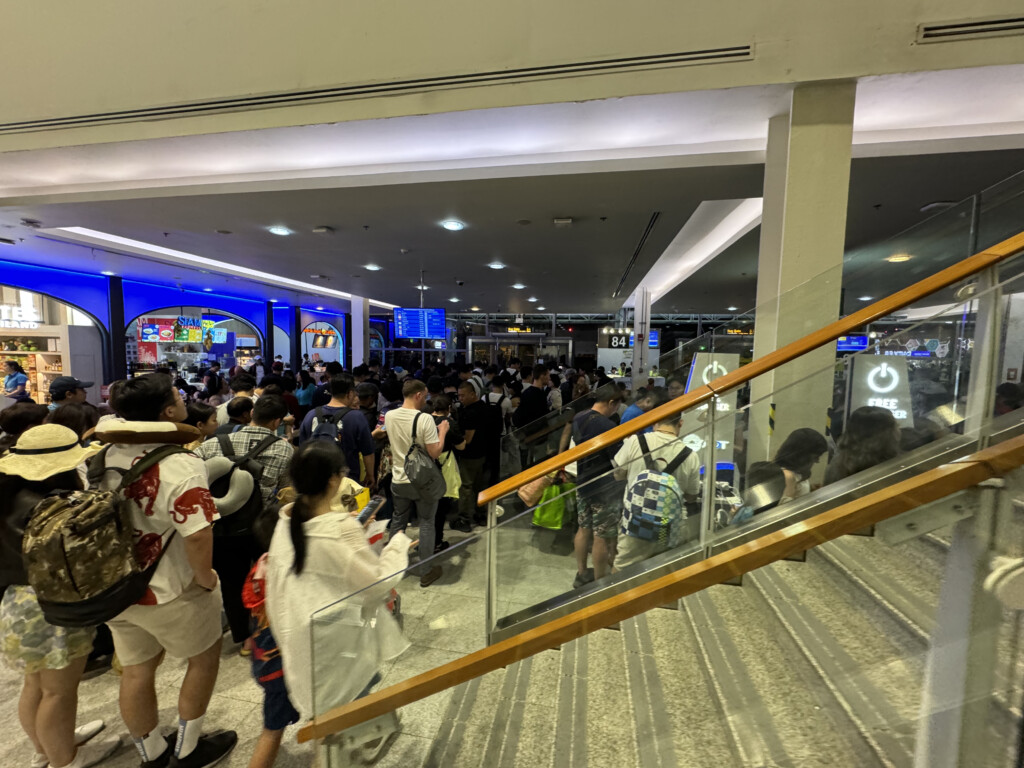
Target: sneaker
x=83, y=734
x=165, y=757
x=208, y=752
x=582, y=579
x=461, y=525
x=431, y=576
x=441, y=547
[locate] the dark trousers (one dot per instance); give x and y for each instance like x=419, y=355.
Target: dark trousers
x=233, y=558
x=474, y=480
x=444, y=507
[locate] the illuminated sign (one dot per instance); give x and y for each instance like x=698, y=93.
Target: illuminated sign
x=738, y=332
x=851, y=343
x=12, y=316
x=704, y=368
x=881, y=381
x=322, y=330
x=519, y=329
x=188, y=329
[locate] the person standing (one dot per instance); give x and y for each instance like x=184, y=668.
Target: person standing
x=598, y=492
x=481, y=438
x=355, y=436
x=15, y=382
x=399, y=424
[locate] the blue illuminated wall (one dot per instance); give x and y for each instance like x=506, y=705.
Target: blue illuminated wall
x=143, y=298
x=82, y=291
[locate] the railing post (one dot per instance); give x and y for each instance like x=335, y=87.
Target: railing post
x=707, y=510
x=491, y=600
x=960, y=668
x=986, y=354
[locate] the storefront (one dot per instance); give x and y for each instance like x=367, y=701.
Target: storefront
x=188, y=339
x=323, y=343
x=48, y=338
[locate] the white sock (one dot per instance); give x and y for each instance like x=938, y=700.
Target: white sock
x=151, y=746
x=188, y=736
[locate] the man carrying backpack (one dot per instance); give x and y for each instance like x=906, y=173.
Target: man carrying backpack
x=662, y=479
x=235, y=548
x=341, y=422
x=172, y=511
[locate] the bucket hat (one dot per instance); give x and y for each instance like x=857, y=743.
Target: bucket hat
x=45, y=451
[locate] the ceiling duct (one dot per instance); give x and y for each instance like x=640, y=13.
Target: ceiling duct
x=636, y=252
x=974, y=29
x=393, y=87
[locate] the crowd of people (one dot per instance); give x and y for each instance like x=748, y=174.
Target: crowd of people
x=241, y=498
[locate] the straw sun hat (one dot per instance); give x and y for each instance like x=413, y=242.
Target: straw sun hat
x=44, y=451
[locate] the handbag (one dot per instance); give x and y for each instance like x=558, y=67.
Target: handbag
x=452, y=478
x=532, y=492
x=550, y=513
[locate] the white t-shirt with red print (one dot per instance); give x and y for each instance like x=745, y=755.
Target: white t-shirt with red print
x=172, y=495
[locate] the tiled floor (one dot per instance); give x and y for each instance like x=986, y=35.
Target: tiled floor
x=441, y=623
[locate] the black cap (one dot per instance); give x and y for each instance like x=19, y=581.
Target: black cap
x=62, y=385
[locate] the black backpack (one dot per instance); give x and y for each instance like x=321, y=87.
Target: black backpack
x=329, y=426
x=242, y=521
x=496, y=415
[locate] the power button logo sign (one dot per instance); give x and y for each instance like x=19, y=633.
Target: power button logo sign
x=883, y=379
x=713, y=371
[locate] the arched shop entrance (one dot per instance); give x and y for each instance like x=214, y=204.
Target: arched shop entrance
x=323, y=343
x=188, y=339
x=49, y=338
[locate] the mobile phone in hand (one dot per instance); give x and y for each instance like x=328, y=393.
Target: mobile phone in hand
x=370, y=509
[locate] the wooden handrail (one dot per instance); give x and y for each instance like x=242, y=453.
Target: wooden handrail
x=845, y=519
x=904, y=298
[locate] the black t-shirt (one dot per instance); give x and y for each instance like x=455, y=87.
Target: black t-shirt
x=476, y=417
x=455, y=434
x=587, y=425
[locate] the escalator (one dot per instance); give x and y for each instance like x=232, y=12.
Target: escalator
x=852, y=625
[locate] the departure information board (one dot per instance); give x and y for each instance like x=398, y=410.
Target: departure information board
x=419, y=324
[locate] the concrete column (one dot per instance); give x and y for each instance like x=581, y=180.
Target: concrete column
x=641, y=333
x=1013, y=334
x=116, y=358
x=360, y=330
x=295, y=337
x=268, y=351
x=799, y=279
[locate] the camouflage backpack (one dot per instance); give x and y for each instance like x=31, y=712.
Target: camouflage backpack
x=80, y=552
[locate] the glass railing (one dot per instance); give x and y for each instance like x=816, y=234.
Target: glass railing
x=867, y=273
x=822, y=431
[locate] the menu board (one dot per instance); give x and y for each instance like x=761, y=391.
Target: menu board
x=188, y=329
x=154, y=332
x=419, y=324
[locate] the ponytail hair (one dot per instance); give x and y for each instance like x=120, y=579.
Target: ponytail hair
x=311, y=470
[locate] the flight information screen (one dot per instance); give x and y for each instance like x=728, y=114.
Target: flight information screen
x=419, y=324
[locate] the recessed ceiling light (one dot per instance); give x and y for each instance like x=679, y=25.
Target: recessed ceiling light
x=496, y=265
x=864, y=298
x=896, y=258
x=320, y=309
x=541, y=308
x=732, y=309
x=532, y=298
x=372, y=267
x=518, y=286
x=319, y=277
x=453, y=225
x=279, y=230
x=422, y=287
x=108, y=273
x=475, y=309
x=208, y=290
x=453, y=300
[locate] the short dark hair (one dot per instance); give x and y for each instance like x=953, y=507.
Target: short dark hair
x=413, y=387
x=333, y=368
x=143, y=398
x=243, y=382
x=215, y=363
x=441, y=403
x=269, y=408
x=361, y=370
x=198, y=413
x=539, y=370
x=239, y=406
x=21, y=416
x=341, y=384
x=435, y=384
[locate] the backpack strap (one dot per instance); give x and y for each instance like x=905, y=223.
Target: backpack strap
x=414, y=420
x=267, y=441
x=677, y=462
x=149, y=460
x=225, y=445
x=646, y=453
x=97, y=468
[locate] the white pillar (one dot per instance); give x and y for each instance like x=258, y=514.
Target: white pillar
x=360, y=330
x=799, y=278
x=641, y=334
x=1013, y=350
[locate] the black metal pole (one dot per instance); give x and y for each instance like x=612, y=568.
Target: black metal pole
x=268, y=341
x=296, y=338
x=115, y=362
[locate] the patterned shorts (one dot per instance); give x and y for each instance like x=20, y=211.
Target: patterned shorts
x=600, y=515
x=28, y=643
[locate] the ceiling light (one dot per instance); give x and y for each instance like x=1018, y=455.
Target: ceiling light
x=864, y=298
x=273, y=301
x=532, y=298
x=896, y=258
x=320, y=309
x=422, y=287
x=108, y=273
x=279, y=230
x=372, y=267
x=475, y=309
x=732, y=309
x=496, y=265
x=208, y=290
x=518, y=286
x=452, y=225
x=453, y=300
x=541, y=308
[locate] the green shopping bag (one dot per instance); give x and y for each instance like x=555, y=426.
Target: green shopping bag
x=551, y=509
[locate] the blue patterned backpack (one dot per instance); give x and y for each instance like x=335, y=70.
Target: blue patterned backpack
x=654, y=509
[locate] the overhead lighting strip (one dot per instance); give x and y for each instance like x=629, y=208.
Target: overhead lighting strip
x=160, y=253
